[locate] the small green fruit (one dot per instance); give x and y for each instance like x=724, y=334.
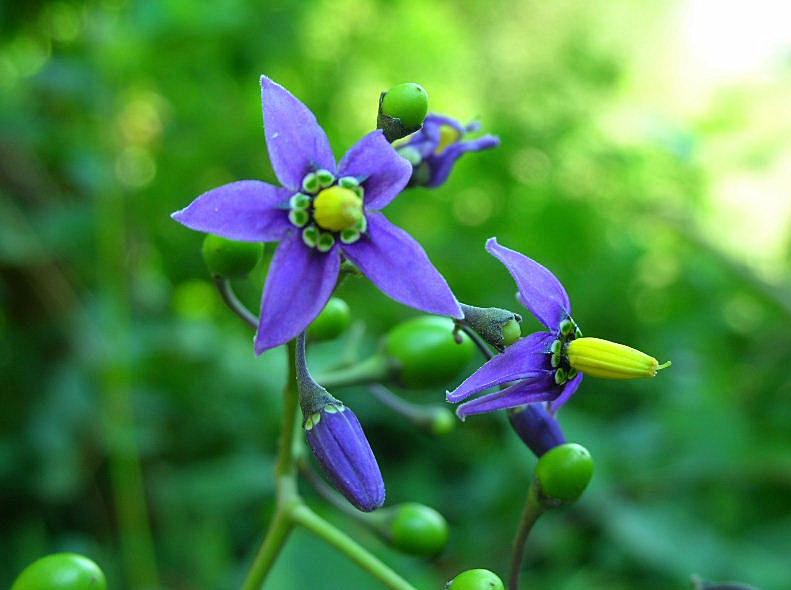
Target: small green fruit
x=443, y=422
x=426, y=352
x=61, y=571
x=228, y=258
x=417, y=529
x=478, y=579
x=512, y=332
x=564, y=472
x=407, y=102
x=333, y=321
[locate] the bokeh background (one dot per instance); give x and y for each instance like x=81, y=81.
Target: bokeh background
x=645, y=158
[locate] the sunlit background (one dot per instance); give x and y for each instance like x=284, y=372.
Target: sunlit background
x=645, y=159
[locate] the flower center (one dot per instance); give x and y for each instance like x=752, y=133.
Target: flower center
x=568, y=332
x=337, y=208
x=448, y=135
x=328, y=209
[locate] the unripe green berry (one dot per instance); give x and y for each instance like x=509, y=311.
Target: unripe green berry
x=417, y=529
x=228, y=258
x=426, y=352
x=564, y=472
x=332, y=321
x=512, y=332
x=443, y=422
x=478, y=579
x=407, y=102
x=61, y=571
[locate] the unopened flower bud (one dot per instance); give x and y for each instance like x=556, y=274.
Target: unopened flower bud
x=602, y=358
x=426, y=352
x=61, y=571
x=537, y=428
x=477, y=579
x=402, y=110
x=563, y=473
x=415, y=529
x=338, y=442
x=333, y=320
x=229, y=258
x=499, y=327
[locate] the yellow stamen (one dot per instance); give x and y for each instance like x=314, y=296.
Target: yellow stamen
x=602, y=358
x=337, y=208
x=447, y=136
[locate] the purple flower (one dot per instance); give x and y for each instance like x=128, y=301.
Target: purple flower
x=322, y=212
x=545, y=366
x=537, y=427
x=434, y=149
x=338, y=442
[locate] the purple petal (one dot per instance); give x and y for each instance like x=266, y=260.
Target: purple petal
x=398, y=265
x=539, y=290
x=247, y=210
x=568, y=390
x=300, y=281
x=339, y=444
x=296, y=143
x=525, y=392
x=442, y=164
x=525, y=358
x=383, y=173
x=537, y=428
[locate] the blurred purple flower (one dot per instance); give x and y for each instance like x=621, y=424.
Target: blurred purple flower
x=434, y=149
x=534, y=367
x=321, y=213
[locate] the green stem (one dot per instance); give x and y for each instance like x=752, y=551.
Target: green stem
x=233, y=303
x=304, y=516
x=479, y=342
x=533, y=509
x=371, y=370
x=287, y=495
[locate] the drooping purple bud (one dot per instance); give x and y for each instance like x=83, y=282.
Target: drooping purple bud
x=536, y=426
x=338, y=442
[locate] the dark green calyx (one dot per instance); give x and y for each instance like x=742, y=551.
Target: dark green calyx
x=402, y=110
x=477, y=579
x=415, y=529
x=498, y=327
x=426, y=353
x=228, y=258
x=563, y=473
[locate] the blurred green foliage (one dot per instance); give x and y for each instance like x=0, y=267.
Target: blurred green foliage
x=123, y=378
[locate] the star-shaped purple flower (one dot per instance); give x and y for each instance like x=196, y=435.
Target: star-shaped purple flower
x=434, y=149
x=321, y=213
x=533, y=367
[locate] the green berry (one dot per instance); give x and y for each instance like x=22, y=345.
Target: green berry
x=426, y=353
x=478, y=579
x=332, y=321
x=407, y=102
x=61, y=571
x=417, y=529
x=444, y=422
x=564, y=472
x=228, y=258
x=512, y=332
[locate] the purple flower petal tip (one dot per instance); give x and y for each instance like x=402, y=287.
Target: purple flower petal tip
x=539, y=289
x=339, y=443
x=537, y=428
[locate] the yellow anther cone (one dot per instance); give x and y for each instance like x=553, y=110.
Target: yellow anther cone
x=337, y=208
x=610, y=360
